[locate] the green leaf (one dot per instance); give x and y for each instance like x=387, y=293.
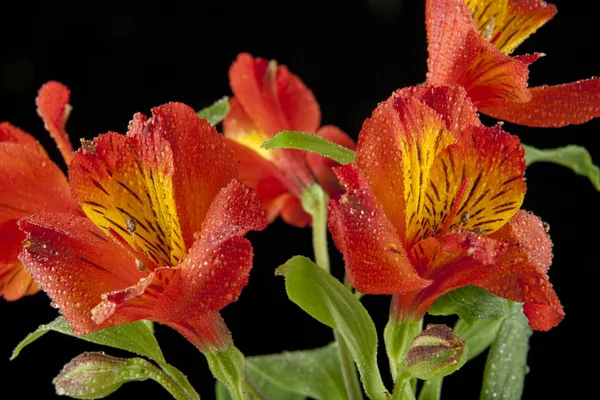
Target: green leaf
x=216, y=112
x=312, y=143
x=95, y=375
x=506, y=363
x=471, y=303
x=576, y=158
x=137, y=337
x=478, y=336
x=328, y=301
x=267, y=390
x=315, y=373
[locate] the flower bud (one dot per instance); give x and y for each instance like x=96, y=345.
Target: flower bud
x=95, y=375
x=436, y=352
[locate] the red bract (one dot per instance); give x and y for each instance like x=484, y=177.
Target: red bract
x=269, y=99
x=432, y=204
x=161, y=240
x=469, y=44
x=30, y=182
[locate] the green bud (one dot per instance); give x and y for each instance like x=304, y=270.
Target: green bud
x=436, y=352
x=95, y=375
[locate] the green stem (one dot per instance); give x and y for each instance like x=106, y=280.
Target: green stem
x=432, y=389
x=166, y=381
x=403, y=389
x=314, y=201
x=181, y=380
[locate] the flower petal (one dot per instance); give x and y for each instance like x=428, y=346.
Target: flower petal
x=10, y=133
x=511, y=263
x=54, y=109
x=274, y=98
x=30, y=183
x=16, y=282
x=127, y=190
x=458, y=53
x=75, y=264
x=475, y=185
x=551, y=106
x=396, y=150
x=203, y=164
x=376, y=262
x=239, y=128
x=522, y=19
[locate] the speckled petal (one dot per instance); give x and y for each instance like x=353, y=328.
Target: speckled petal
x=376, y=261
x=511, y=263
x=75, y=264
x=551, y=106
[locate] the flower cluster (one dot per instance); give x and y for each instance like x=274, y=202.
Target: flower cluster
x=151, y=224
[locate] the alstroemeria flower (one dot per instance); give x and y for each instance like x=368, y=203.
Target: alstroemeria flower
x=432, y=204
x=161, y=241
x=29, y=183
x=269, y=99
x=469, y=42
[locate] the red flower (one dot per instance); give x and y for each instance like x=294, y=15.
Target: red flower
x=30, y=182
x=269, y=99
x=469, y=44
x=432, y=204
x=161, y=240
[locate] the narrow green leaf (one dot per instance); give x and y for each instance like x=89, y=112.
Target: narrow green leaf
x=95, y=375
x=312, y=143
x=506, y=365
x=137, y=337
x=328, y=301
x=574, y=157
x=315, y=373
x=216, y=112
x=471, y=303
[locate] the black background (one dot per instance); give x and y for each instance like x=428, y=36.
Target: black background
x=352, y=57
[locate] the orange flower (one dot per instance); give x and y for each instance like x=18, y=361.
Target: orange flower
x=269, y=99
x=30, y=182
x=469, y=44
x=161, y=240
x=432, y=204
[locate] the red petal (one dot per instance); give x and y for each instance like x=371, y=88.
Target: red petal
x=30, y=183
x=293, y=213
x=75, y=263
x=235, y=209
x=396, y=150
x=376, y=261
x=10, y=133
x=322, y=166
x=511, y=263
x=208, y=279
x=54, y=109
x=203, y=164
x=451, y=102
x=16, y=282
x=551, y=106
x=275, y=100
x=458, y=53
